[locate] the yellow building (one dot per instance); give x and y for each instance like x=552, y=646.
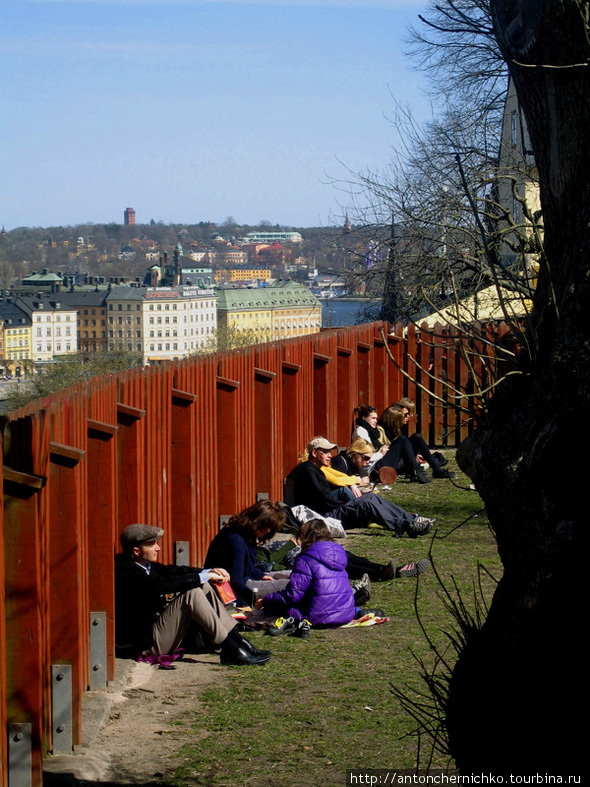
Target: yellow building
x=278, y=312
x=233, y=275
x=16, y=338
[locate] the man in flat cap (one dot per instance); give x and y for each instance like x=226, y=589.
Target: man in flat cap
x=149, y=626
x=310, y=488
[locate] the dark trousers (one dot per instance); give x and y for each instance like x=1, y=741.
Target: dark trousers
x=356, y=566
x=361, y=511
x=419, y=446
x=400, y=456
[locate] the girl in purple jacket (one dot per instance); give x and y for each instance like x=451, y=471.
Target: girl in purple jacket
x=318, y=590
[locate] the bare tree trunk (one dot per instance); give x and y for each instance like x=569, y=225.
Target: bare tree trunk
x=515, y=700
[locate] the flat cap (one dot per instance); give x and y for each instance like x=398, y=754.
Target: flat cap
x=137, y=534
x=320, y=442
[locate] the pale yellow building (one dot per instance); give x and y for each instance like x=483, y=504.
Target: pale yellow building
x=282, y=311
x=234, y=275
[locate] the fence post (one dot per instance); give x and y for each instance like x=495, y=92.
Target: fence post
x=102, y=527
x=68, y=624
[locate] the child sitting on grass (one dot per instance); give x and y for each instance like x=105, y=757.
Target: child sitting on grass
x=319, y=590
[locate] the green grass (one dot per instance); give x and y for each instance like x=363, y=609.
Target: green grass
x=325, y=705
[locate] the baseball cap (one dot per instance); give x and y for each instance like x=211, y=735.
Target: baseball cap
x=320, y=442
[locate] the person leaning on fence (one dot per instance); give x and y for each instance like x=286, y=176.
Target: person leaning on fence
x=235, y=549
x=346, y=483
x=419, y=446
x=354, y=460
x=310, y=488
x=366, y=427
x=149, y=627
x=401, y=454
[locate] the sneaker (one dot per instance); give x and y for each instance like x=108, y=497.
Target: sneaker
x=413, y=569
x=362, y=590
x=303, y=629
x=282, y=626
x=420, y=526
x=361, y=597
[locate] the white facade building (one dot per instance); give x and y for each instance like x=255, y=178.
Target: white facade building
x=162, y=323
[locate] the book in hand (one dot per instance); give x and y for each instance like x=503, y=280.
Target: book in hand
x=226, y=594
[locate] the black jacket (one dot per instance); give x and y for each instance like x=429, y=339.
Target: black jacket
x=344, y=464
x=141, y=597
x=311, y=489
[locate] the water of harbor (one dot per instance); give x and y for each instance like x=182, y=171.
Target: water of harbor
x=337, y=313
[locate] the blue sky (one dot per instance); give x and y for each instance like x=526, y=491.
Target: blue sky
x=195, y=111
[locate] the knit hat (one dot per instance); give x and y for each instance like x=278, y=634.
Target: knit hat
x=137, y=534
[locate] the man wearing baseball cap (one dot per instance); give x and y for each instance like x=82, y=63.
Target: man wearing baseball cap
x=310, y=488
x=149, y=626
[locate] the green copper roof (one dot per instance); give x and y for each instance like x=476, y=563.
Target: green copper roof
x=284, y=294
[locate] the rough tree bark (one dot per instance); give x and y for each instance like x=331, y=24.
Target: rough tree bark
x=515, y=700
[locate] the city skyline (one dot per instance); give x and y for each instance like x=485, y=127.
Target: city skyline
x=195, y=111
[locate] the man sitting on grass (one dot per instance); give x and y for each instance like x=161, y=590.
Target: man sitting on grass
x=147, y=626
x=310, y=488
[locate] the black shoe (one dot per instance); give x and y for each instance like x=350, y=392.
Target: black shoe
x=440, y=458
x=389, y=570
x=440, y=473
x=361, y=596
x=253, y=649
x=421, y=477
x=242, y=656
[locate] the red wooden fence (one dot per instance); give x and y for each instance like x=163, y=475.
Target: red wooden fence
x=176, y=445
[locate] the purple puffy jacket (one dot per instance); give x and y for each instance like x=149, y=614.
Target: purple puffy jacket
x=318, y=589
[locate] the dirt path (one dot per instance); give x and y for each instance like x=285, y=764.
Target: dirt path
x=151, y=716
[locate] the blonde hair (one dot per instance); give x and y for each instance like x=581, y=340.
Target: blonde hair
x=360, y=446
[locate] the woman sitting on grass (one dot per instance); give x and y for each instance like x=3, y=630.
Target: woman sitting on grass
x=318, y=589
x=234, y=548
